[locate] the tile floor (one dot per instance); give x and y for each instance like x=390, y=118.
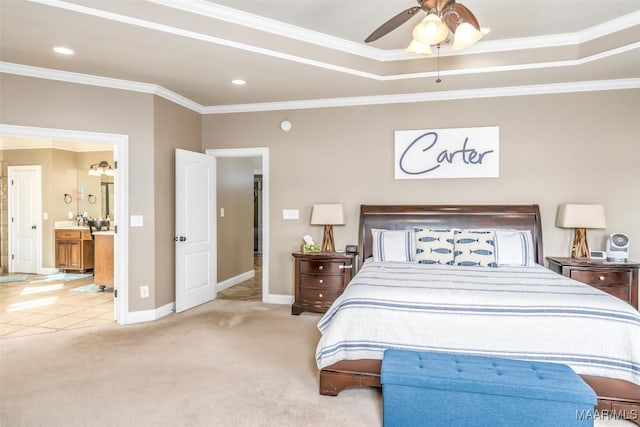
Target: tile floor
x=33, y=307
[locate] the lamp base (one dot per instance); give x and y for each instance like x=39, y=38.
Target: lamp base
x=580, y=248
x=327, y=239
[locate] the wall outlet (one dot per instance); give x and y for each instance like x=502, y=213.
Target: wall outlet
x=144, y=291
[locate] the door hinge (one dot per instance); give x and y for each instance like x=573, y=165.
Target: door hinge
x=13, y=257
x=115, y=229
x=115, y=164
x=115, y=293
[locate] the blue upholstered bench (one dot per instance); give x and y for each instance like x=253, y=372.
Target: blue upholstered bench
x=441, y=389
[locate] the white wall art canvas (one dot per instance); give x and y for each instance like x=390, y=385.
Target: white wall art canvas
x=447, y=153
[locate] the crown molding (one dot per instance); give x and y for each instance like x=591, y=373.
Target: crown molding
x=92, y=80
x=430, y=96
x=234, y=16
x=66, y=76
x=249, y=20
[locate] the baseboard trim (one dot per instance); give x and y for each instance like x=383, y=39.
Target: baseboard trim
x=149, y=315
x=279, y=299
x=221, y=286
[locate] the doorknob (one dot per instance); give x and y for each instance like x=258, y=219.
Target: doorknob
x=183, y=239
x=33, y=227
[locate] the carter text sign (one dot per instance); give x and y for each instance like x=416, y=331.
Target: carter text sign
x=447, y=153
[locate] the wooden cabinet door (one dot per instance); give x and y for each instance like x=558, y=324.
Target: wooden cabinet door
x=62, y=254
x=75, y=255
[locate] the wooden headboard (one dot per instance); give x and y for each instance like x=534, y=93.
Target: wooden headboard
x=402, y=217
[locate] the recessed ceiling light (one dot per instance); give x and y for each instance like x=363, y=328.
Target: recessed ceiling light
x=63, y=50
x=238, y=82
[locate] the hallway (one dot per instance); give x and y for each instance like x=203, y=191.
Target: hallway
x=249, y=290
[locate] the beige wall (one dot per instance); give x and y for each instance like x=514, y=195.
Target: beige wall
x=45, y=103
x=174, y=127
x=235, y=230
x=579, y=148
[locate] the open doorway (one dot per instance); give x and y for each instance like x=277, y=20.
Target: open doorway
x=39, y=139
x=243, y=243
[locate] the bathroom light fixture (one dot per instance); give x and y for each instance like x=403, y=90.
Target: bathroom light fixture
x=102, y=168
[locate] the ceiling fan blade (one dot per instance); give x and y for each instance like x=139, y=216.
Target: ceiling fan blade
x=465, y=14
x=393, y=23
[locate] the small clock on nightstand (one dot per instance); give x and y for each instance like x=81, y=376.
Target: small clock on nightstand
x=619, y=279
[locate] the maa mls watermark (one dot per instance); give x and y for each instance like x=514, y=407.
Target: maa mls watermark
x=607, y=414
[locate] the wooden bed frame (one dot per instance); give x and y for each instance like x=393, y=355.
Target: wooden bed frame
x=619, y=397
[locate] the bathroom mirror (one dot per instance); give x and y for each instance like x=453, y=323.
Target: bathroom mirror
x=95, y=195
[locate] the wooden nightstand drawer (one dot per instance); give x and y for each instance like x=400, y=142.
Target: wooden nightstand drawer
x=321, y=281
x=323, y=296
x=324, y=267
x=622, y=292
x=600, y=277
x=617, y=279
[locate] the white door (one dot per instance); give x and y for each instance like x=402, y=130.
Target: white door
x=24, y=218
x=196, y=256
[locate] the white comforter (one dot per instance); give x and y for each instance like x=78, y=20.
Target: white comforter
x=514, y=312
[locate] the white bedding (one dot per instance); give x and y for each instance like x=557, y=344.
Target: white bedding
x=514, y=312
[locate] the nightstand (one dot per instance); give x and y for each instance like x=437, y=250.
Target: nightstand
x=320, y=278
x=616, y=278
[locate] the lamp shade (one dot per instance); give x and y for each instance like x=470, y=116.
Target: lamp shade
x=327, y=214
x=581, y=216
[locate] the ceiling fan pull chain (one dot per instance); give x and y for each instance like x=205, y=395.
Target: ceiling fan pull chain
x=438, y=64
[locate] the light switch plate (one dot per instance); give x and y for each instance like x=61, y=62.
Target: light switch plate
x=290, y=214
x=136, y=221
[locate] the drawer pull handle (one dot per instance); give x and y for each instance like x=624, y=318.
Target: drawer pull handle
x=601, y=277
x=320, y=295
x=321, y=280
x=321, y=267
x=342, y=267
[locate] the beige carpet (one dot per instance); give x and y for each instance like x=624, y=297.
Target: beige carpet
x=226, y=363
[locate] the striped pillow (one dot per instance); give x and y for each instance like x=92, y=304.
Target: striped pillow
x=434, y=246
x=474, y=248
x=514, y=248
x=393, y=245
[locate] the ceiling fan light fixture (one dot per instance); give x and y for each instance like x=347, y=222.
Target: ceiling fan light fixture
x=431, y=30
x=421, y=49
x=465, y=36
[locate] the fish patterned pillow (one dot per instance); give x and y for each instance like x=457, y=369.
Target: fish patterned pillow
x=474, y=248
x=434, y=246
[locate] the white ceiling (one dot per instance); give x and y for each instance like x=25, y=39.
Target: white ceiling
x=301, y=53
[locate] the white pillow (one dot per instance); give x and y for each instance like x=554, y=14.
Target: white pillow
x=514, y=247
x=393, y=245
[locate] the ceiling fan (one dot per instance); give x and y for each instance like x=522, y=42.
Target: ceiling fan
x=442, y=16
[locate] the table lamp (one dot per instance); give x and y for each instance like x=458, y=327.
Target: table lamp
x=327, y=215
x=580, y=217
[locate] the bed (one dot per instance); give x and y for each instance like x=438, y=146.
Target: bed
x=598, y=335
